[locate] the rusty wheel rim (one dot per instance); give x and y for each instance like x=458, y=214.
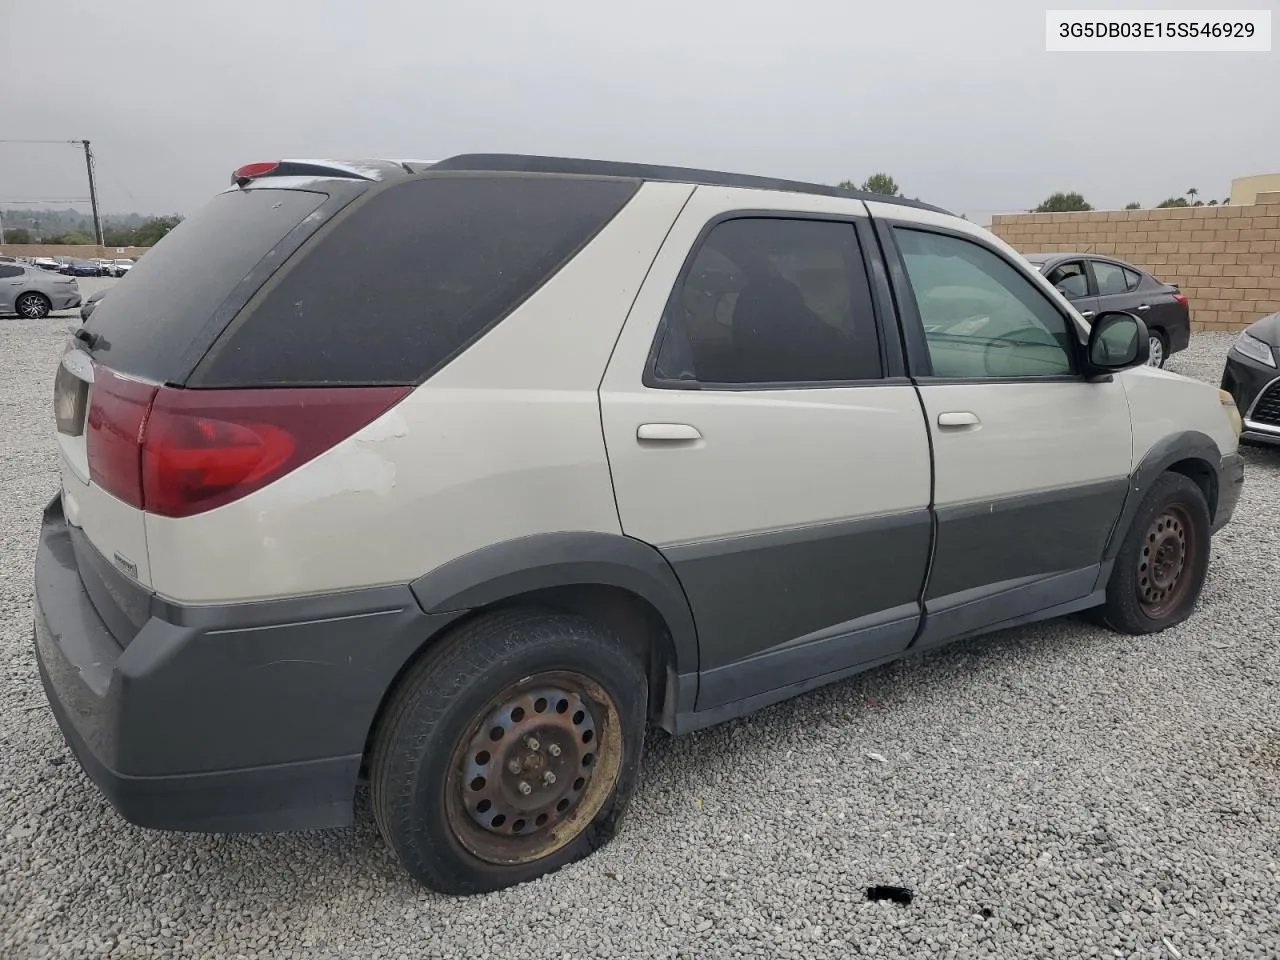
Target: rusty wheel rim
x=1164, y=577
x=534, y=768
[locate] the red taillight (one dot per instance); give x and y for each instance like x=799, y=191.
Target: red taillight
x=118, y=408
x=205, y=448
x=251, y=170
x=180, y=452
x=1181, y=298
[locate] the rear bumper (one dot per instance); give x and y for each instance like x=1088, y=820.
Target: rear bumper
x=246, y=717
x=65, y=301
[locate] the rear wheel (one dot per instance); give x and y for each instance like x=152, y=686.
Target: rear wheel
x=510, y=751
x=1159, y=349
x=1161, y=567
x=33, y=306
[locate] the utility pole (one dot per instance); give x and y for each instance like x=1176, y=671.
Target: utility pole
x=93, y=192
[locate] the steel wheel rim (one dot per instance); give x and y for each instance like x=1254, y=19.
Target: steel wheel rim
x=1168, y=552
x=1157, y=352
x=559, y=723
x=31, y=308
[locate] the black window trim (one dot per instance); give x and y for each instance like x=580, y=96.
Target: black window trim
x=892, y=365
x=919, y=364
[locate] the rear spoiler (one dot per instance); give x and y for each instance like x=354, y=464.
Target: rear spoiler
x=370, y=170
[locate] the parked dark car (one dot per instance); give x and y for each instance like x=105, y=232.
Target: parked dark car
x=89, y=304
x=81, y=268
x=1096, y=284
x=1252, y=376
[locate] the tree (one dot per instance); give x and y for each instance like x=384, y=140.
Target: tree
x=881, y=183
x=1191, y=192
x=17, y=235
x=1173, y=202
x=1063, y=203
x=120, y=237
x=1133, y=206
x=70, y=238
x=153, y=231
x=1213, y=203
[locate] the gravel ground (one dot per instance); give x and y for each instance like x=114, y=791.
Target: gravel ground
x=1052, y=791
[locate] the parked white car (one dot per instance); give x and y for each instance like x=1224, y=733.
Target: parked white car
x=457, y=476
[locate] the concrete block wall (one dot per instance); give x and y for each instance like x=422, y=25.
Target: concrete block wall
x=1226, y=259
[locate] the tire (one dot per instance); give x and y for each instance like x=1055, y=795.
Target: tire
x=1170, y=530
x=1159, y=349
x=552, y=693
x=33, y=306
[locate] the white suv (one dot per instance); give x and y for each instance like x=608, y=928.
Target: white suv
x=452, y=477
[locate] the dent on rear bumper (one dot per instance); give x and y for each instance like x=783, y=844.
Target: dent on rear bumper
x=245, y=717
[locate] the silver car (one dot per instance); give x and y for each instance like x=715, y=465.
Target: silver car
x=34, y=293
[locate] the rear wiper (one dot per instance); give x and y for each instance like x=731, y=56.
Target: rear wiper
x=90, y=340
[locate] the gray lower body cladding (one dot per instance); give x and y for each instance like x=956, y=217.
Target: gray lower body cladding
x=245, y=717
x=256, y=716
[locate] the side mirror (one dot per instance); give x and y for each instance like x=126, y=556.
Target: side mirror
x=1118, y=340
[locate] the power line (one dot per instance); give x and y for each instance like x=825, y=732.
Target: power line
x=75, y=142
x=59, y=200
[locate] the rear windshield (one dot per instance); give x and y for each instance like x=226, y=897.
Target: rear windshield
x=155, y=314
x=408, y=277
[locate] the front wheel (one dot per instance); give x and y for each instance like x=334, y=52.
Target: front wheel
x=1161, y=567
x=509, y=751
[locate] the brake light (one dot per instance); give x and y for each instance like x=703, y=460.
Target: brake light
x=243, y=175
x=1181, y=298
x=118, y=408
x=205, y=448
x=177, y=452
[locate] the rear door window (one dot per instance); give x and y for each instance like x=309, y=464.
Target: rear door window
x=152, y=318
x=1132, y=278
x=407, y=279
x=1110, y=278
x=9, y=271
x=769, y=301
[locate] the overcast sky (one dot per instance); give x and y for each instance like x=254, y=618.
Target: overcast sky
x=957, y=100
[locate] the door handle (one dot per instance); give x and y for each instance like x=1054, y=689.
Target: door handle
x=1086, y=314
x=1142, y=307
x=958, y=418
x=668, y=432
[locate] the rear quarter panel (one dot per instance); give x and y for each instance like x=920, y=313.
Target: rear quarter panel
x=504, y=442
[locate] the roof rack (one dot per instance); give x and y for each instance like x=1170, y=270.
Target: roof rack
x=524, y=163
